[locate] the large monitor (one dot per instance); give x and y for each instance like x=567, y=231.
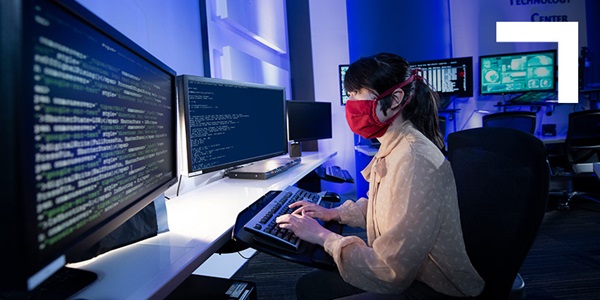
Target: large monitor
x=308, y=120
x=518, y=72
x=450, y=77
x=88, y=126
x=229, y=123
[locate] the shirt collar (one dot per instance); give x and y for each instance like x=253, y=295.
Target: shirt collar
x=393, y=136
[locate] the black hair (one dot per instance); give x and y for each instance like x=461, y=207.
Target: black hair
x=383, y=71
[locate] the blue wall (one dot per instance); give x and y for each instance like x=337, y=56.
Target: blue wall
x=416, y=30
x=411, y=29
x=592, y=7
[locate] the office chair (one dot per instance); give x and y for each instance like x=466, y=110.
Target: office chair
x=522, y=120
x=502, y=181
x=582, y=149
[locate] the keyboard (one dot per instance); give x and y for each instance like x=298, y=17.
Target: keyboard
x=338, y=173
x=265, y=228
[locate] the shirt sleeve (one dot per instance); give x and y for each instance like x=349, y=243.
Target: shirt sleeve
x=353, y=213
x=407, y=221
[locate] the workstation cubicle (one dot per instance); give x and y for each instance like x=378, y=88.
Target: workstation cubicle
x=98, y=139
x=200, y=222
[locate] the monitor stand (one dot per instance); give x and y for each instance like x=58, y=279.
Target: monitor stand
x=63, y=284
x=295, y=149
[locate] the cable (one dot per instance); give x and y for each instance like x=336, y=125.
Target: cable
x=240, y=254
x=178, y=185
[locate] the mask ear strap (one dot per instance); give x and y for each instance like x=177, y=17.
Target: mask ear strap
x=399, y=85
x=416, y=75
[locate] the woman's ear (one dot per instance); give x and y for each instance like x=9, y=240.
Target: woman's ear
x=397, y=97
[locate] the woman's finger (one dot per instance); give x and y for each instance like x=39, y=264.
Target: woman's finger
x=283, y=219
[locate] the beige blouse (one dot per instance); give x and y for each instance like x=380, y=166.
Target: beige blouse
x=412, y=222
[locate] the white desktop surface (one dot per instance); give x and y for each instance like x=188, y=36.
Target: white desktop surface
x=200, y=222
x=366, y=149
x=559, y=138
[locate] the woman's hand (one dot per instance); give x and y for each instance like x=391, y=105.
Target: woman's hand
x=305, y=227
x=315, y=211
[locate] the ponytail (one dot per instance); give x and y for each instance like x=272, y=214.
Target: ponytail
x=422, y=111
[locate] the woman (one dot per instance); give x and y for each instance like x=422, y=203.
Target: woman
x=414, y=242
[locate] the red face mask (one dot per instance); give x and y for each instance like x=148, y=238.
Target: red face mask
x=362, y=117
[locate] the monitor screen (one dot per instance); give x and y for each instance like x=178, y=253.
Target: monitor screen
x=229, y=123
x=342, y=73
x=90, y=136
x=518, y=72
x=308, y=120
x=449, y=77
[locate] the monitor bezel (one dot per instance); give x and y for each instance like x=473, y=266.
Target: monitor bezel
x=184, y=117
x=314, y=104
x=509, y=54
x=23, y=261
x=455, y=61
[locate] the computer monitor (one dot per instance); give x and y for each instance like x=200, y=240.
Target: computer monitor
x=518, y=72
x=342, y=73
x=229, y=123
x=450, y=77
x=308, y=120
x=88, y=126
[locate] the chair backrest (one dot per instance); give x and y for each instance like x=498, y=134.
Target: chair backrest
x=521, y=120
x=502, y=183
x=583, y=137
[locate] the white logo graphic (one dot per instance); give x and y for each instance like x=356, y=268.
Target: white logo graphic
x=565, y=33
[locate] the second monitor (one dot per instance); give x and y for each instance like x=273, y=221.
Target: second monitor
x=308, y=120
x=230, y=123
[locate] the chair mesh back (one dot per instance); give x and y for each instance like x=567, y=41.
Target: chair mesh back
x=583, y=137
x=524, y=121
x=502, y=184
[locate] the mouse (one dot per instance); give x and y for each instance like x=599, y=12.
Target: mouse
x=330, y=197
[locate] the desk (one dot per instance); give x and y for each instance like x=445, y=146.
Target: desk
x=366, y=150
x=558, y=139
x=200, y=222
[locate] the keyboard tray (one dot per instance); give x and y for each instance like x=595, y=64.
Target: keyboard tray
x=308, y=254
